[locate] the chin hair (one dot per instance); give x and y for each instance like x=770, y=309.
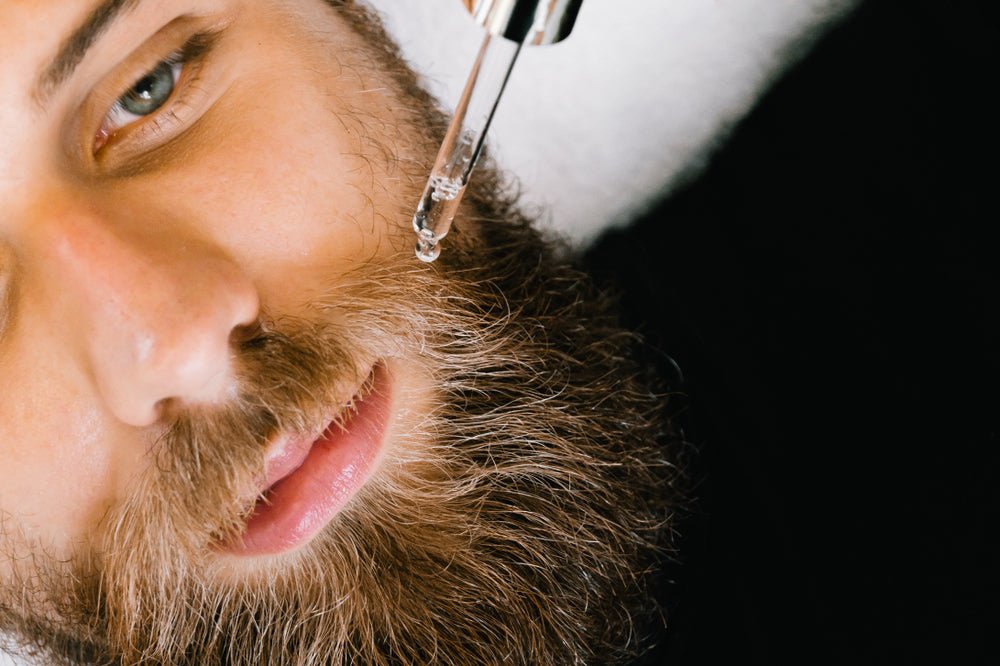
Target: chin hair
x=522, y=522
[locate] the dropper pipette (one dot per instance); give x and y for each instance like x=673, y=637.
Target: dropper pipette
x=510, y=25
x=463, y=144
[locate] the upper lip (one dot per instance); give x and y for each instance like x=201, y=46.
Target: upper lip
x=287, y=454
x=287, y=451
x=312, y=474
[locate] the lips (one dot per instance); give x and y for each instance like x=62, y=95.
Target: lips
x=309, y=481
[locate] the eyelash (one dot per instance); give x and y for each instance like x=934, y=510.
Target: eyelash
x=159, y=122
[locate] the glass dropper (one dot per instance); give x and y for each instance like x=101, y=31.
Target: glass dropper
x=510, y=24
x=463, y=144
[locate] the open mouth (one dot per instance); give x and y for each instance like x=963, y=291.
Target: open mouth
x=309, y=480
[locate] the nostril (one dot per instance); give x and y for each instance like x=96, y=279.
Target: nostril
x=247, y=335
x=165, y=409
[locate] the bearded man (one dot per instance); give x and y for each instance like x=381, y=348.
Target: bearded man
x=241, y=424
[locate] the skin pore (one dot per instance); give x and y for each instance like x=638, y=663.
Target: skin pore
x=184, y=288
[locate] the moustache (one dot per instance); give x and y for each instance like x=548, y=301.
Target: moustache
x=205, y=469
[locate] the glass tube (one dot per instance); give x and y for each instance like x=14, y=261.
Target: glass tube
x=463, y=144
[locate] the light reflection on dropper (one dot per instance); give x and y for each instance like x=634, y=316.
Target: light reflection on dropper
x=463, y=144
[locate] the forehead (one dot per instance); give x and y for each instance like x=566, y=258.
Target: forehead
x=31, y=27
x=28, y=30
x=36, y=20
x=32, y=32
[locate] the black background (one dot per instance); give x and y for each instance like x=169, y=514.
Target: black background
x=830, y=289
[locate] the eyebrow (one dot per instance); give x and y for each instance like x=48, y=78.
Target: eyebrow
x=74, y=49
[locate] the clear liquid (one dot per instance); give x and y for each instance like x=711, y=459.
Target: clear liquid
x=435, y=213
x=462, y=144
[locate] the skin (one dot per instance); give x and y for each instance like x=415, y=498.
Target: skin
x=174, y=300
x=124, y=283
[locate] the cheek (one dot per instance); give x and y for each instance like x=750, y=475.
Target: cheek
x=60, y=467
x=295, y=191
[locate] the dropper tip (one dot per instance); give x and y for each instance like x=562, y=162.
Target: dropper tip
x=427, y=252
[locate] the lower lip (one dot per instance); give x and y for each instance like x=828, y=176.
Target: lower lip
x=338, y=464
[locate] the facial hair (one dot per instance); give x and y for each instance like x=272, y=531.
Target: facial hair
x=516, y=524
x=518, y=521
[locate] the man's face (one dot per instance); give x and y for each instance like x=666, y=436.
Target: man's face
x=239, y=421
x=136, y=247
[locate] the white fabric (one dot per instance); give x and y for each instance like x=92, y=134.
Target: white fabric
x=600, y=125
x=6, y=660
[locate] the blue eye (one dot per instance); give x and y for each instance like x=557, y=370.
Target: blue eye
x=151, y=92
x=157, y=103
x=146, y=97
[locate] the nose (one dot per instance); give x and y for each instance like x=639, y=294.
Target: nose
x=151, y=314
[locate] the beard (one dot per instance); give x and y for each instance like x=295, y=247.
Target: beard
x=518, y=522
x=519, y=519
